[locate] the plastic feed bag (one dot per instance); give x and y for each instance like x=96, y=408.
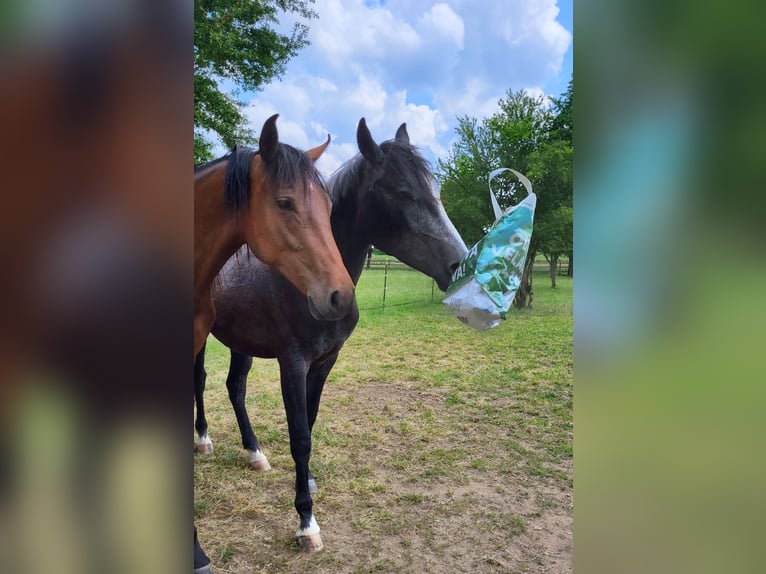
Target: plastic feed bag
x=485, y=283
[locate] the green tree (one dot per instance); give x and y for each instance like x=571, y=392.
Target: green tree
x=562, y=127
x=550, y=170
x=510, y=138
x=463, y=177
x=555, y=233
x=235, y=40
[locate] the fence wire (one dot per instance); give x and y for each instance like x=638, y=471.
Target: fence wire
x=386, y=282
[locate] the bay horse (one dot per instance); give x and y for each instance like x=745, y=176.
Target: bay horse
x=387, y=197
x=274, y=202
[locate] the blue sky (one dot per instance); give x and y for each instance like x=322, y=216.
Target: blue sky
x=421, y=62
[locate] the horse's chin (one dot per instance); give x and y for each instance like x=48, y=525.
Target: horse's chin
x=313, y=310
x=442, y=283
x=442, y=278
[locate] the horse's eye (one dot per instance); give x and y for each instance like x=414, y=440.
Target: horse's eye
x=286, y=204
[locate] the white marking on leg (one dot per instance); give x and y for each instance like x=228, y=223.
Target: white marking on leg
x=258, y=460
x=204, y=439
x=312, y=528
x=255, y=455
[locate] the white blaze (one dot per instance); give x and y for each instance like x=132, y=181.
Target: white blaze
x=446, y=221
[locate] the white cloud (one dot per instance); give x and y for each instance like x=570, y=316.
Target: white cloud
x=477, y=98
x=444, y=22
x=334, y=156
x=319, y=129
x=423, y=63
x=348, y=28
x=368, y=95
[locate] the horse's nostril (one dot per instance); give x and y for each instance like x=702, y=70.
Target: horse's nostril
x=454, y=266
x=335, y=299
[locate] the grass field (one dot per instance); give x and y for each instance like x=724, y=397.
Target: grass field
x=401, y=287
x=437, y=448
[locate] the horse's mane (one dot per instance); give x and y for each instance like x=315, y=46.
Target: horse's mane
x=289, y=168
x=346, y=178
x=400, y=159
x=237, y=187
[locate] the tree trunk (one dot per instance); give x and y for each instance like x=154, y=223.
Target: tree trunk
x=570, y=268
x=554, y=267
x=524, y=294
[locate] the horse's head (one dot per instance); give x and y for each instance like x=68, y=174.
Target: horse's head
x=288, y=224
x=409, y=221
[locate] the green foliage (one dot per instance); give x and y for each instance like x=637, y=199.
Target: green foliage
x=504, y=140
x=563, y=123
x=235, y=40
x=555, y=232
x=520, y=128
x=550, y=170
x=532, y=137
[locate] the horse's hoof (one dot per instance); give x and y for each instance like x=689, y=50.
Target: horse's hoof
x=204, y=444
x=311, y=542
x=260, y=465
x=258, y=461
x=204, y=570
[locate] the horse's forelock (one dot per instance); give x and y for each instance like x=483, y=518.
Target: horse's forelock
x=292, y=168
x=405, y=160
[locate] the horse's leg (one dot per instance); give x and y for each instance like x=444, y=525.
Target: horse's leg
x=236, y=383
x=201, y=561
x=293, y=371
x=318, y=373
x=204, y=444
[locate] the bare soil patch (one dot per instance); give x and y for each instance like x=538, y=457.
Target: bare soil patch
x=407, y=484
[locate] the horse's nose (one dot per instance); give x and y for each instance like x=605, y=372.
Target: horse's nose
x=453, y=266
x=330, y=305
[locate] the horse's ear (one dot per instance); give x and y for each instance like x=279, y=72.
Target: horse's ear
x=402, y=135
x=370, y=150
x=317, y=151
x=268, y=142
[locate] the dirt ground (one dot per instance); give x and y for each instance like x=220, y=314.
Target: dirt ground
x=406, y=485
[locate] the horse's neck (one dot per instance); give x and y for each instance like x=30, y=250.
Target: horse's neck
x=350, y=230
x=216, y=236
